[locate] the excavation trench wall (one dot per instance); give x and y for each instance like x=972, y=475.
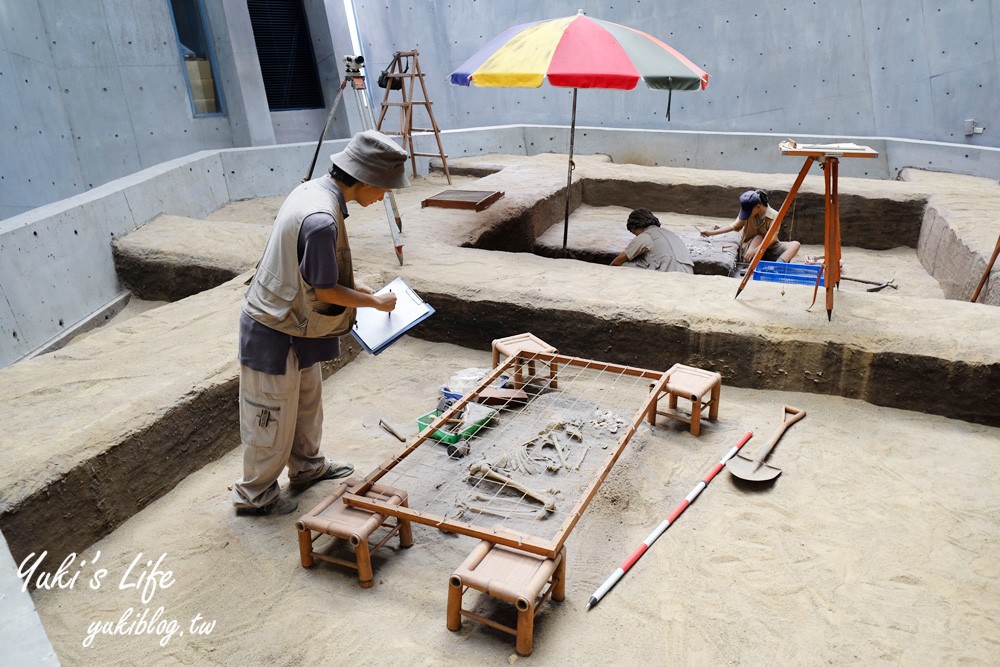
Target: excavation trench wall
x=874, y=223
x=85, y=503
x=893, y=379
x=103, y=428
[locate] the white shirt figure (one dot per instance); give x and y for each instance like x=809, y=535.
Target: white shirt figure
x=658, y=249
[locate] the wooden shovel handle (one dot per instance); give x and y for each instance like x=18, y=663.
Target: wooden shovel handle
x=797, y=414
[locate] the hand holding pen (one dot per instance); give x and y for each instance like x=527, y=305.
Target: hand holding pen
x=385, y=302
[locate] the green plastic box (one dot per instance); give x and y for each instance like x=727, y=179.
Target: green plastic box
x=424, y=421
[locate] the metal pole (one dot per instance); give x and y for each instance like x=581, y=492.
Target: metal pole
x=631, y=560
x=569, y=174
x=326, y=128
x=391, y=210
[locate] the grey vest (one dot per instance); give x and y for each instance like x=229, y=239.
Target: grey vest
x=278, y=298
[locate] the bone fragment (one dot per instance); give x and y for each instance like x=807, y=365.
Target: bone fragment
x=547, y=501
x=573, y=432
x=553, y=440
x=503, y=514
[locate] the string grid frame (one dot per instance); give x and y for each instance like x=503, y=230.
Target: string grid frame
x=525, y=480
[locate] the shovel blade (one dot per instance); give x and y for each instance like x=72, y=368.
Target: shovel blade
x=750, y=470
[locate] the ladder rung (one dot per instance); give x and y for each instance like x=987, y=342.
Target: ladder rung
x=407, y=106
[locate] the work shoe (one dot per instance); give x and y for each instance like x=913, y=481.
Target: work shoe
x=274, y=508
x=334, y=470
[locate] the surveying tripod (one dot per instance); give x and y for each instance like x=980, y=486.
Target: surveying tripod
x=353, y=75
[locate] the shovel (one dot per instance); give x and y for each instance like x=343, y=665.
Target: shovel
x=755, y=470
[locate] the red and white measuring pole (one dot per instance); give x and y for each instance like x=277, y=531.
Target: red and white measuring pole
x=648, y=542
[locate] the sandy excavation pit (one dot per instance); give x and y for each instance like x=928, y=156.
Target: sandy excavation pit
x=868, y=556
x=529, y=468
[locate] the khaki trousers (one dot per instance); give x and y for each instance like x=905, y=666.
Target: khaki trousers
x=281, y=423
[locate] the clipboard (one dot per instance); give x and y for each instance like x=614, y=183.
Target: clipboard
x=376, y=330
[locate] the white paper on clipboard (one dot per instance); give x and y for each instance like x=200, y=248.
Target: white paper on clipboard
x=377, y=330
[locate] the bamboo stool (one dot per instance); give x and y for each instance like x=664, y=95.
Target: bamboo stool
x=355, y=525
x=525, y=580
x=526, y=342
x=692, y=384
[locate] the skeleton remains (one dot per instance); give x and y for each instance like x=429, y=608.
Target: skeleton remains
x=546, y=498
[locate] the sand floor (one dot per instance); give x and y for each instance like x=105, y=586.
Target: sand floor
x=876, y=545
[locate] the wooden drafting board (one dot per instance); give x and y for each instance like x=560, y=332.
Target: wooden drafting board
x=476, y=200
x=433, y=480
x=826, y=150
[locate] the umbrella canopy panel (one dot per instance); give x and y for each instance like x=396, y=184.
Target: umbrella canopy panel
x=578, y=52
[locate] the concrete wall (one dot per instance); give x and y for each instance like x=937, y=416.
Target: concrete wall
x=912, y=69
x=94, y=91
x=712, y=150
x=58, y=271
x=21, y=632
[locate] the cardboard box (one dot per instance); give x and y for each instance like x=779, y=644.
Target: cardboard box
x=202, y=105
x=199, y=68
x=204, y=88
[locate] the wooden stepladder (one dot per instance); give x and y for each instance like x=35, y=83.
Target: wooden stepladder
x=405, y=68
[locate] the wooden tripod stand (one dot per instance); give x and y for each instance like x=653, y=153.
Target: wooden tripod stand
x=828, y=155
x=401, y=76
x=986, y=274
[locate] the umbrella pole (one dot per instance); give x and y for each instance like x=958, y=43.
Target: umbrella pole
x=569, y=174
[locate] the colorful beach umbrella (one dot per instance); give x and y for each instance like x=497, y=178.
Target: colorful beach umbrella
x=578, y=52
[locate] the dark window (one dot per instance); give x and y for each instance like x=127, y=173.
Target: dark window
x=196, y=52
x=284, y=49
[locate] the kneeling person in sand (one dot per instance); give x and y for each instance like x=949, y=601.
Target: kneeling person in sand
x=653, y=247
x=754, y=219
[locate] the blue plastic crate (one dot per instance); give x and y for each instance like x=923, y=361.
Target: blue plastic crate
x=786, y=272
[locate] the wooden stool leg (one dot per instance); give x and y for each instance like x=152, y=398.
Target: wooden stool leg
x=496, y=356
x=525, y=628
x=559, y=580
x=553, y=372
x=405, y=534
x=305, y=547
x=364, y=559
x=405, y=529
x=651, y=414
x=713, y=412
x=455, y=604
x=672, y=401
x=695, y=416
